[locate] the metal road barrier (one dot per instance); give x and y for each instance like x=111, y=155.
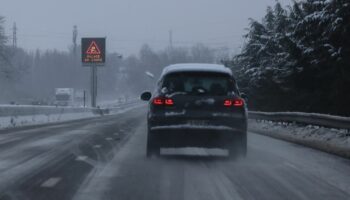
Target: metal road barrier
x=303, y=118
x=26, y=110
x=6, y=111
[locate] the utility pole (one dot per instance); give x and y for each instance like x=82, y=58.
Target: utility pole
x=14, y=35
x=75, y=35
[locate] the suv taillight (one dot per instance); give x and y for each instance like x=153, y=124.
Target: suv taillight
x=163, y=101
x=234, y=102
x=158, y=101
x=169, y=102
x=228, y=103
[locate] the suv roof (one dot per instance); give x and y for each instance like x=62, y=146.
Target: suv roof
x=193, y=67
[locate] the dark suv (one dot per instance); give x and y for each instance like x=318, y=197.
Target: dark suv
x=197, y=105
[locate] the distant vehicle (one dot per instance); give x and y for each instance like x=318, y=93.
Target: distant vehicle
x=197, y=105
x=64, y=96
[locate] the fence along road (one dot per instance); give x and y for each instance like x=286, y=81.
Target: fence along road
x=304, y=118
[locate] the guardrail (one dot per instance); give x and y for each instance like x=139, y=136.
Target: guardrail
x=303, y=118
x=20, y=115
x=26, y=110
x=34, y=110
x=110, y=109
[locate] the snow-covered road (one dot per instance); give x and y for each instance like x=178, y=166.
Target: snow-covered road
x=104, y=158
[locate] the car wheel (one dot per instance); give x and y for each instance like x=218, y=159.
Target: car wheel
x=153, y=148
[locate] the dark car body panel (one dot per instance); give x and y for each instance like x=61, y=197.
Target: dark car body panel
x=197, y=120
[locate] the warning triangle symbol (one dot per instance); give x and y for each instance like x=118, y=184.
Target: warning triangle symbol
x=93, y=49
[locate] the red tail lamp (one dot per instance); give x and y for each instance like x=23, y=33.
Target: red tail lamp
x=228, y=103
x=234, y=102
x=169, y=102
x=158, y=101
x=163, y=101
x=238, y=102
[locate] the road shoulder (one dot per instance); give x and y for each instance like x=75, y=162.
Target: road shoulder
x=308, y=138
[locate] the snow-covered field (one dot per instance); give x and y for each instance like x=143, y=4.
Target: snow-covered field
x=16, y=121
x=331, y=140
x=17, y=116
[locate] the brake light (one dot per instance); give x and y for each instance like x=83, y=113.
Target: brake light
x=234, y=102
x=169, y=102
x=238, y=102
x=158, y=101
x=163, y=101
x=228, y=103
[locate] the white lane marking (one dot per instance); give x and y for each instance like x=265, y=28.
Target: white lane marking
x=109, y=139
x=290, y=165
x=81, y=158
x=87, y=160
x=97, y=146
x=51, y=182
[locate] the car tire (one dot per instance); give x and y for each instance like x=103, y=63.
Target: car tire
x=238, y=148
x=153, y=148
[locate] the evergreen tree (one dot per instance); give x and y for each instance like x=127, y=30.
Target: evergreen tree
x=297, y=58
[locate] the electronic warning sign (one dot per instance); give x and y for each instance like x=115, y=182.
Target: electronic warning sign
x=93, y=51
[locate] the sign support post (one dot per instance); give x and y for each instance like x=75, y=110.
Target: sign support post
x=84, y=98
x=93, y=55
x=93, y=86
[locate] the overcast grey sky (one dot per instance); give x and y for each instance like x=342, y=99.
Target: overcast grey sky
x=127, y=24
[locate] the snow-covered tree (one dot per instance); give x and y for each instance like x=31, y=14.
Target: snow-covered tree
x=299, y=57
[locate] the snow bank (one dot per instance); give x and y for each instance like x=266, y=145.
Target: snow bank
x=16, y=116
x=303, y=118
x=17, y=121
x=23, y=110
x=331, y=140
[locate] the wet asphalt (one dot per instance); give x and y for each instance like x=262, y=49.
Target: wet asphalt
x=104, y=158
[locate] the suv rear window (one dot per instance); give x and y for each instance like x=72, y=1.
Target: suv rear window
x=199, y=83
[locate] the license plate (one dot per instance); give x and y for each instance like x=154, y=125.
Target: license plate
x=198, y=122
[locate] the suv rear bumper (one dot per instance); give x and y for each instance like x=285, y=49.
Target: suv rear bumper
x=196, y=138
x=189, y=127
x=231, y=124
x=177, y=132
